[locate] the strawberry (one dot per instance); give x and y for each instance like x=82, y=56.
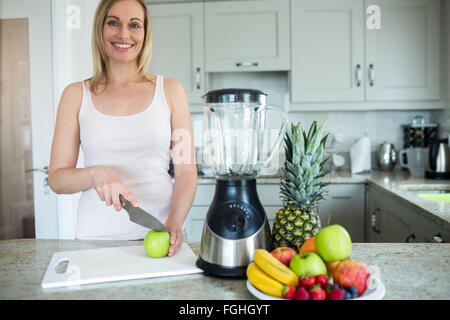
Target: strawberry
x=322, y=280
x=317, y=293
x=306, y=282
x=336, y=294
x=288, y=292
x=301, y=294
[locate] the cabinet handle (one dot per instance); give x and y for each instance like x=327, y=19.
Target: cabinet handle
x=358, y=75
x=437, y=238
x=197, y=78
x=371, y=74
x=374, y=221
x=341, y=197
x=246, y=64
x=411, y=236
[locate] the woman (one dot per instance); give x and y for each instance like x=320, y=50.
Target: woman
x=126, y=121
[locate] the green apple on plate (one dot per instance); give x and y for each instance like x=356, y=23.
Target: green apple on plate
x=307, y=264
x=157, y=243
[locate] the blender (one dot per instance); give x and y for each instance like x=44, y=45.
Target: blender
x=236, y=223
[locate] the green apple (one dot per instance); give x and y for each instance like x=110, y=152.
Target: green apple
x=308, y=263
x=157, y=243
x=333, y=243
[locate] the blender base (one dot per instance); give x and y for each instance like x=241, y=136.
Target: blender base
x=211, y=269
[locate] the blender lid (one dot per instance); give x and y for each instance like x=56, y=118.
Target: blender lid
x=232, y=95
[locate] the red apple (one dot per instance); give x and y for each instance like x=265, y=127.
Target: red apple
x=352, y=273
x=284, y=254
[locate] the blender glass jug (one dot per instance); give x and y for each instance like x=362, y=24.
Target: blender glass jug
x=235, y=122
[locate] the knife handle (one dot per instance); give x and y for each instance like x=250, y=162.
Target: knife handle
x=123, y=201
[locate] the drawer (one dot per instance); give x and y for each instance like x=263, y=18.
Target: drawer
x=194, y=228
x=204, y=194
x=198, y=212
x=269, y=194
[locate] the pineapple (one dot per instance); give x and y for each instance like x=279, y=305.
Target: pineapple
x=301, y=187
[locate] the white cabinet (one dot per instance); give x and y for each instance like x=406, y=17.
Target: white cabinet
x=269, y=195
x=401, y=221
x=389, y=219
x=327, y=50
x=197, y=214
x=345, y=204
x=375, y=221
x=431, y=231
x=177, y=42
x=338, y=57
x=247, y=35
x=403, y=54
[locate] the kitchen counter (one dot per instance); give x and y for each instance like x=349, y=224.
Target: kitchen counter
x=408, y=271
x=396, y=182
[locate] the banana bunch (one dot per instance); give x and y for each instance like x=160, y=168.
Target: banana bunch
x=269, y=275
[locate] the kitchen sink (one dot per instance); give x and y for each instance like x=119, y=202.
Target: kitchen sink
x=431, y=188
x=432, y=192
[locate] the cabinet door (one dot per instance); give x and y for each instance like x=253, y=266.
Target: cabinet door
x=431, y=231
x=375, y=217
x=194, y=223
x=345, y=204
x=402, y=57
x=177, y=42
x=269, y=195
x=247, y=35
x=327, y=50
x=401, y=221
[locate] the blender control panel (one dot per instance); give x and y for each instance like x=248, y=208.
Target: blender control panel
x=235, y=220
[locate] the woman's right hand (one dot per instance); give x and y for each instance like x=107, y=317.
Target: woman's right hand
x=109, y=187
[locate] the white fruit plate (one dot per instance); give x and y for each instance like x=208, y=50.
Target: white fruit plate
x=375, y=291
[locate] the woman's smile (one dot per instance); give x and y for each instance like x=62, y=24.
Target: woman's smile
x=122, y=46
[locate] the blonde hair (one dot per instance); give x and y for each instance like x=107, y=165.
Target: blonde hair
x=98, y=49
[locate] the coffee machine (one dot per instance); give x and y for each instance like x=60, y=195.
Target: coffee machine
x=236, y=223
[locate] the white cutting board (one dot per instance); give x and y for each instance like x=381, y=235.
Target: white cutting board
x=115, y=264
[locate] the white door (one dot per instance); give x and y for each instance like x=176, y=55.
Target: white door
x=402, y=56
x=27, y=91
x=327, y=51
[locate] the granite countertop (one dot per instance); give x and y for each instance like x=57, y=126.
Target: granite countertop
x=408, y=271
x=399, y=183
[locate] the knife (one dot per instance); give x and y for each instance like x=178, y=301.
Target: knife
x=141, y=217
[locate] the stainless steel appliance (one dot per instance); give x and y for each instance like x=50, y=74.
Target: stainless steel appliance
x=236, y=223
x=387, y=156
x=438, y=165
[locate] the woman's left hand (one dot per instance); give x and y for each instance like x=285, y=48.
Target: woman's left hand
x=176, y=237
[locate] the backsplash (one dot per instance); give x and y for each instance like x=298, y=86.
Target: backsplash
x=345, y=126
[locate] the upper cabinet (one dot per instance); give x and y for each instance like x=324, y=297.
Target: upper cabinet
x=177, y=45
x=247, y=35
x=403, y=55
x=327, y=50
x=339, y=55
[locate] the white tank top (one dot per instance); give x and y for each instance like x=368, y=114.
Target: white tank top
x=137, y=148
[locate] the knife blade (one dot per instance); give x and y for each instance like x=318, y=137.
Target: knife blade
x=141, y=217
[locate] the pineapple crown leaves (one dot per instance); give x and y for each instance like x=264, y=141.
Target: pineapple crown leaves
x=301, y=182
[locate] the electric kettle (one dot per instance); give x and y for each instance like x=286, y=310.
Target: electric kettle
x=438, y=166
